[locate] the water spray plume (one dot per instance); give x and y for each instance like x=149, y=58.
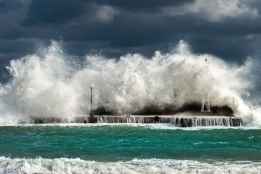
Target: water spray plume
x=50, y=85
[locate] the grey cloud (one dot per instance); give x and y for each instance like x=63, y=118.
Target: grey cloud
x=53, y=11
x=216, y=11
x=116, y=27
x=145, y=5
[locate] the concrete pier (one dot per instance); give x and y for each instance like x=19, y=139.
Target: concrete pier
x=178, y=121
x=175, y=120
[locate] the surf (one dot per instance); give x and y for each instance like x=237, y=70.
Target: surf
x=135, y=166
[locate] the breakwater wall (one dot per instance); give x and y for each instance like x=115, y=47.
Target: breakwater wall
x=177, y=121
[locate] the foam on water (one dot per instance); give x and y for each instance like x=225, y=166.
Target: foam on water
x=147, y=126
x=145, y=166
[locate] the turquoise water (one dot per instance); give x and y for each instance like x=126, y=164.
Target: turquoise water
x=125, y=143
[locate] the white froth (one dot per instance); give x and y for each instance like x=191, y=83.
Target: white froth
x=49, y=85
x=146, y=166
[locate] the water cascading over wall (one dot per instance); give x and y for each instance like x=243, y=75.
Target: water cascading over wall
x=178, y=121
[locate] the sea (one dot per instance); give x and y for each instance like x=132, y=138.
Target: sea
x=128, y=149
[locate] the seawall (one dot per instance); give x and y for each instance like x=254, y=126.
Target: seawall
x=175, y=120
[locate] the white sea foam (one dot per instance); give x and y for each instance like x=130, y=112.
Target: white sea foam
x=158, y=126
x=146, y=166
x=49, y=84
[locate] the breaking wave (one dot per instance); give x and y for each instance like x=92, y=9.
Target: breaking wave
x=50, y=84
x=146, y=166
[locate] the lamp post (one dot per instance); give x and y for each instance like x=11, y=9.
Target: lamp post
x=92, y=119
x=91, y=88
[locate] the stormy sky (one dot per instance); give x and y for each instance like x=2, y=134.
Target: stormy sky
x=229, y=29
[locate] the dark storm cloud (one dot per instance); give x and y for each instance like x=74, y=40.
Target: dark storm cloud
x=53, y=11
x=145, y=5
x=2, y=6
x=116, y=27
x=6, y=6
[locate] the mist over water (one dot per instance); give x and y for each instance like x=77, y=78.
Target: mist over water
x=50, y=84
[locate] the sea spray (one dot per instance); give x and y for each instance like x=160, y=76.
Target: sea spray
x=50, y=85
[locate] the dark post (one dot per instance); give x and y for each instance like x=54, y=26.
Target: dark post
x=92, y=119
x=91, y=102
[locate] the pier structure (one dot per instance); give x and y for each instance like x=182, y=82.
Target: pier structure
x=189, y=115
x=175, y=120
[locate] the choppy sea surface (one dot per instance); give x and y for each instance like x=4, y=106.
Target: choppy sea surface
x=113, y=149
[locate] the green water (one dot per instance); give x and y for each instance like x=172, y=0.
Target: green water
x=113, y=143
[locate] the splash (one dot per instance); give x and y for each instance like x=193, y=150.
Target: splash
x=50, y=84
